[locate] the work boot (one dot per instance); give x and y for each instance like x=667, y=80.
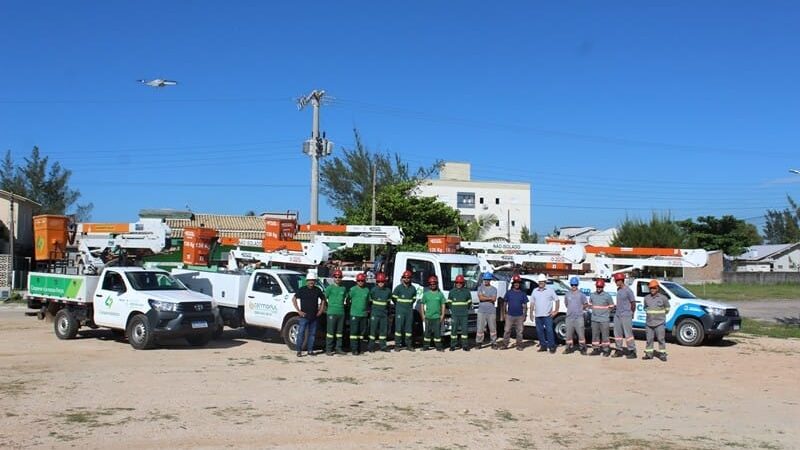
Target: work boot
x=607, y=352
x=425, y=348
x=542, y=349
x=595, y=351
x=619, y=353
x=465, y=348
x=410, y=348
x=453, y=348
x=385, y=349
x=299, y=354
x=553, y=350
x=631, y=354
x=648, y=355
x=439, y=349
x=662, y=356
x=569, y=350
x=398, y=348
x=329, y=353
x=494, y=346
x=583, y=350
x=340, y=352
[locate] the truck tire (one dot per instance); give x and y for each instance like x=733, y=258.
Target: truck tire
x=255, y=332
x=560, y=329
x=689, y=332
x=65, y=325
x=289, y=332
x=140, y=333
x=199, y=340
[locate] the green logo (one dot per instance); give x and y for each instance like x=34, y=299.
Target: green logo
x=40, y=243
x=109, y=301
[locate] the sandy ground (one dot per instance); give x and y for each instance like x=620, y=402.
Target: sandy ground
x=97, y=392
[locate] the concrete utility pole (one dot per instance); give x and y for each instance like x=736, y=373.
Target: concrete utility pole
x=11, y=280
x=316, y=147
x=374, y=182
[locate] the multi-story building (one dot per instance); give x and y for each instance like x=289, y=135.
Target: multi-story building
x=508, y=202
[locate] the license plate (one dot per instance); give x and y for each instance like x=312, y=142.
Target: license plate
x=736, y=327
x=199, y=324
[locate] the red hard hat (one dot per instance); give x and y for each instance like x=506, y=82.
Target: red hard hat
x=516, y=279
x=380, y=277
x=433, y=280
x=619, y=276
x=600, y=283
x=460, y=279
x=407, y=274
x=361, y=277
x=337, y=273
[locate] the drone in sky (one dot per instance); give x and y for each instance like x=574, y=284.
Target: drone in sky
x=158, y=83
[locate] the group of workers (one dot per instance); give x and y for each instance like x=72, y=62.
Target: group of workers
x=369, y=326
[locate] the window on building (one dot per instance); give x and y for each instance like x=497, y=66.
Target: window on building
x=497, y=223
x=465, y=200
x=481, y=200
x=497, y=200
x=513, y=223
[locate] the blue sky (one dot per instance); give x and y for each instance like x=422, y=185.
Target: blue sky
x=608, y=109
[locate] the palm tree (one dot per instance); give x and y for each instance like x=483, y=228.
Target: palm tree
x=478, y=228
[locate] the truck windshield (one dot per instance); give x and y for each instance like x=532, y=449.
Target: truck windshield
x=153, y=281
x=293, y=281
x=450, y=271
x=678, y=290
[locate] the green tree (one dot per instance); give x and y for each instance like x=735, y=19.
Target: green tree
x=727, y=233
x=783, y=227
x=44, y=183
x=526, y=237
x=660, y=231
x=477, y=228
x=347, y=180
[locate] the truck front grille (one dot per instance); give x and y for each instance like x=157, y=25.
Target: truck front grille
x=193, y=307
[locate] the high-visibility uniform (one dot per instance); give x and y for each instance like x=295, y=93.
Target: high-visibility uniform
x=359, y=296
x=335, y=294
x=379, y=318
x=433, y=301
x=601, y=317
x=623, y=321
x=404, y=297
x=460, y=302
x=656, y=307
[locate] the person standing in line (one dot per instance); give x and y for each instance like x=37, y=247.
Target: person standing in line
x=487, y=312
x=379, y=318
x=656, y=306
x=460, y=302
x=404, y=296
x=309, y=302
x=516, y=306
x=601, y=304
x=576, y=303
x=623, y=320
x=545, y=307
x=433, y=303
x=359, y=297
x=335, y=295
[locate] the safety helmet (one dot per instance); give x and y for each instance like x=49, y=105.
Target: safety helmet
x=487, y=276
x=541, y=277
x=652, y=284
x=380, y=277
x=460, y=279
x=337, y=273
x=516, y=279
x=433, y=280
x=407, y=274
x=361, y=277
x=600, y=283
x=574, y=281
x=619, y=276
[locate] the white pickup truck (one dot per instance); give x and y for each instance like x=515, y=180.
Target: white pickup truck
x=141, y=304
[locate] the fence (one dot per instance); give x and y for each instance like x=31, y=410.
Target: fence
x=761, y=277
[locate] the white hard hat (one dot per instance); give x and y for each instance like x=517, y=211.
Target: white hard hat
x=541, y=277
x=312, y=275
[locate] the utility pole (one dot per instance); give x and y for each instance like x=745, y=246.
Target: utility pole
x=374, y=182
x=11, y=243
x=316, y=147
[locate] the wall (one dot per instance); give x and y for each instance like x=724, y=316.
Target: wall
x=23, y=223
x=762, y=278
x=711, y=273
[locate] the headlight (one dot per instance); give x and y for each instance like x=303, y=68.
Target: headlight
x=715, y=311
x=158, y=305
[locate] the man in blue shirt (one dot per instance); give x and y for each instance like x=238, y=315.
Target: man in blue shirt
x=516, y=308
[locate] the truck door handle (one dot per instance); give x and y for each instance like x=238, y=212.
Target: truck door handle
x=98, y=295
x=251, y=296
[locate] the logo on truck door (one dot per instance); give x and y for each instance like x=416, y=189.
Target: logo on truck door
x=109, y=301
x=263, y=309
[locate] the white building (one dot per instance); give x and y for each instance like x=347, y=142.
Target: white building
x=769, y=258
x=510, y=202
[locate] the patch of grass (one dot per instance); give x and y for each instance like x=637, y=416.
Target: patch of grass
x=279, y=378
x=523, y=443
x=776, y=330
x=279, y=358
x=13, y=388
x=505, y=415
x=66, y=437
x=241, y=362
x=740, y=292
x=561, y=439
x=10, y=414
x=94, y=417
x=15, y=297
x=347, y=380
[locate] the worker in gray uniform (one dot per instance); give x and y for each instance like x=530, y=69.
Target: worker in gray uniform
x=656, y=306
x=623, y=320
x=576, y=303
x=601, y=304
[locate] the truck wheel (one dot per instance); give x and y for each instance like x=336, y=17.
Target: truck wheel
x=65, y=325
x=199, y=340
x=560, y=329
x=140, y=333
x=689, y=332
x=290, y=331
x=255, y=332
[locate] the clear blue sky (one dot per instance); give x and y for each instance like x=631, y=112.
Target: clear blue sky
x=606, y=108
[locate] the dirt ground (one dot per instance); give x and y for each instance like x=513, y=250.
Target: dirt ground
x=97, y=392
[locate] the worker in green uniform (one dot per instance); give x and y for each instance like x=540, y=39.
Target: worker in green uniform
x=459, y=301
x=433, y=303
x=359, y=297
x=379, y=319
x=404, y=296
x=335, y=294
